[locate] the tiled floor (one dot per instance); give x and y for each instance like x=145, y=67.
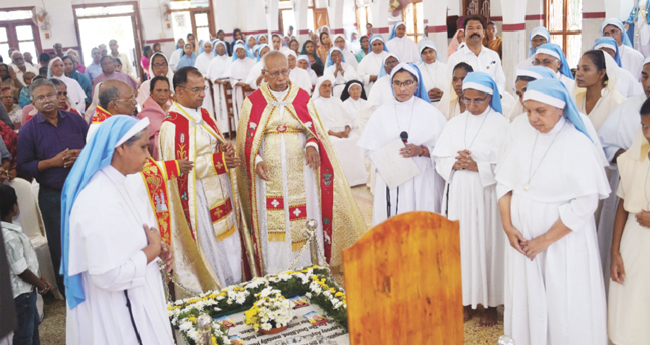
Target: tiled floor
x=52, y=328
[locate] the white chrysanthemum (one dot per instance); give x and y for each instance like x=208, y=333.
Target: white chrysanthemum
x=266, y=326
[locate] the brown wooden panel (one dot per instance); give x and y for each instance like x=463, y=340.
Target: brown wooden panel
x=320, y=18
x=403, y=282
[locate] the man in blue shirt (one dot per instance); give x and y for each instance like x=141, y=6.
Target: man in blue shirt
x=94, y=69
x=48, y=146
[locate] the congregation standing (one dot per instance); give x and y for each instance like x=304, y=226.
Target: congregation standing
x=253, y=137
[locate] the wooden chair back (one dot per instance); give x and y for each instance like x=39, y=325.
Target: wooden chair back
x=403, y=282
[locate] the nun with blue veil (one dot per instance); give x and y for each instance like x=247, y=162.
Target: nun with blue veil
x=631, y=59
x=340, y=71
x=401, y=45
x=407, y=116
x=465, y=157
x=537, y=37
x=551, y=55
x=111, y=247
x=371, y=64
x=549, y=183
x=382, y=91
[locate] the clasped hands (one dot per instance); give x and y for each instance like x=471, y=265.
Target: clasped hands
x=312, y=158
x=529, y=248
x=66, y=158
x=159, y=248
x=464, y=161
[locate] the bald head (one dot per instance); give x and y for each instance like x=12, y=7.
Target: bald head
x=276, y=70
x=117, y=97
x=274, y=57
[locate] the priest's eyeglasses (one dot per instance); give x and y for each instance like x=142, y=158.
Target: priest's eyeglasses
x=284, y=72
x=477, y=101
x=407, y=83
x=196, y=89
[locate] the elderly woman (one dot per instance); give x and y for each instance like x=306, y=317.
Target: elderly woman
x=551, y=55
x=342, y=130
x=158, y=67
x=354, y=98
x=298, y=75
x=466, y=155
x=548, y=186
x=340, y=71
x=76, y=95
x=373, y=62
x=348, y=57
x=434, y=72
x=383, y=89
x=407, y=115
x=303, y=62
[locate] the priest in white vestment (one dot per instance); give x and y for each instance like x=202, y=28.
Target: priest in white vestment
x=627, y=85
x=372, y=63
x=204, y=198
x=433, y=71
x=236, y=74
x=408, y=115
x=402, y=45
x=551, y=55
x=255, y=78
x=537, y=37
x=340, y=71
x=348, y=56
x=298, y=75
x=203, y=60
x=383, y=89
x=631, y=59
x=217, y=74
x=466, y=155
x=342, y=130
x=548, y=185
x=112, y=249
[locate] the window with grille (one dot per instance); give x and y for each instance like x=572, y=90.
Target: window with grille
x=564, y=22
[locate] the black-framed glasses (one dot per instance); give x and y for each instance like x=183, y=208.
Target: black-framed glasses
x=407, y=83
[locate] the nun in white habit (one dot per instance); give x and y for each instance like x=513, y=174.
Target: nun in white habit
x=433, y=71
x=203, y=60
x=111, y=247
x=342, y=131
x=303, y=62
x=340, y=71
x=348, y=57
x=76, y=95
x=254, y=78
x=369, y=68
x=465, y=157
x=402, y=45
x=237, y=73
x=297, y=75
x=217, y=74
x=548, y=185
x=383, y=89
x=410, y=111
x=354, y=99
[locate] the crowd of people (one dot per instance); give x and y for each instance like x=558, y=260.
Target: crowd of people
x=132, y=175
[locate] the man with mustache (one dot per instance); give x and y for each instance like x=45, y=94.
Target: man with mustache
x=476, y=54
x=48, y=147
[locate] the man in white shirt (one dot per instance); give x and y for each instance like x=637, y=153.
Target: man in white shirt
x=631, y=59
x=402, y=46
x=126, y=64
x=476, y=54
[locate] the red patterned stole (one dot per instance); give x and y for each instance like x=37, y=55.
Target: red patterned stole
x=182, y=147
x=101, y=115
x=326, y=174
x=154, y=180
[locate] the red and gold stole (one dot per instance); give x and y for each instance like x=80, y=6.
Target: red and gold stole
x=154, y=177
x=182, y=147
x=326, y=174
x=101, y=115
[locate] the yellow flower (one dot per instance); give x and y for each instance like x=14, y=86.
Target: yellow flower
x=338, y=294
x=214, y=340
x=332, y=290
x=212, y=296
x=191, y=319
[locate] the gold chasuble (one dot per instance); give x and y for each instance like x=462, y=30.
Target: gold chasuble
x=280, y=137
x=179, y=139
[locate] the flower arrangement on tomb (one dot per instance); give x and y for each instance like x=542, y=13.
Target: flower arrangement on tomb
x=313, y=282
x=271, y=310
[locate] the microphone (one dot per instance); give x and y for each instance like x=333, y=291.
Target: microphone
x=404, y=136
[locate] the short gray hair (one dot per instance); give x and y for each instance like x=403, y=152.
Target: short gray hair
x=107, y=93
x=273, y=54
x=38, y=83
x=57, y=82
